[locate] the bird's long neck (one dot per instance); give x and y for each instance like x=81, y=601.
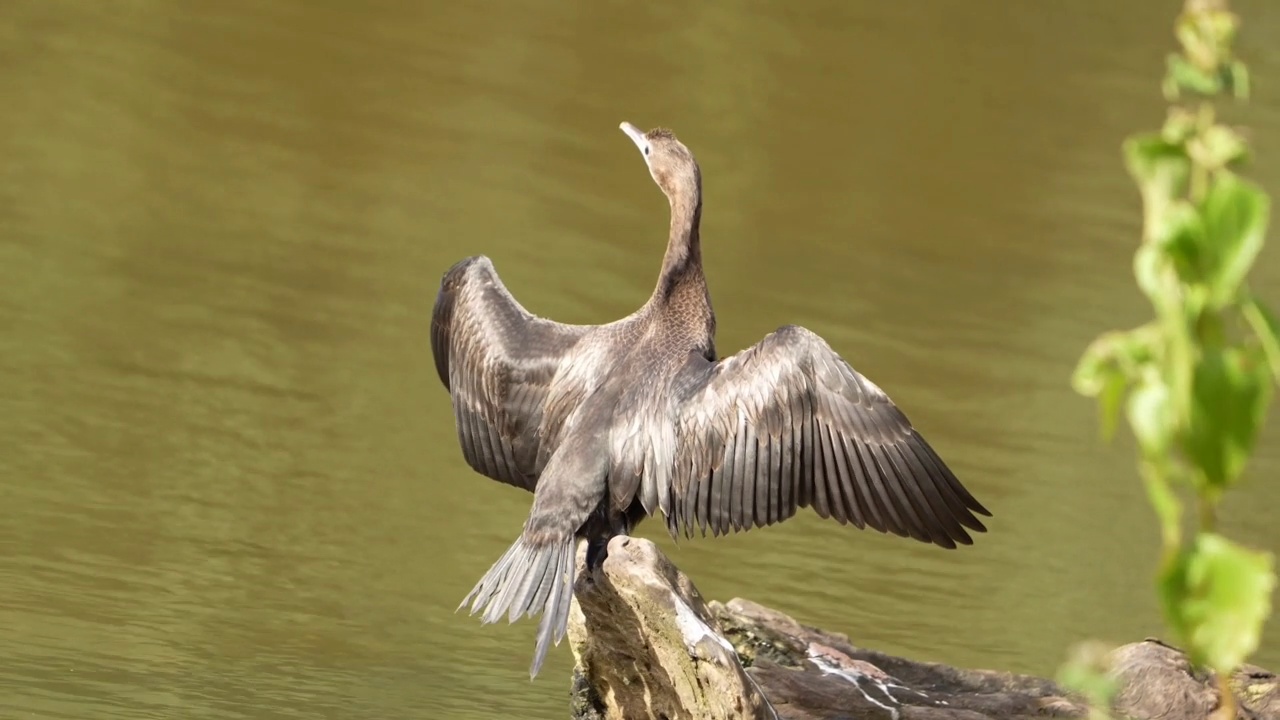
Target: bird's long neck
x=681, y=276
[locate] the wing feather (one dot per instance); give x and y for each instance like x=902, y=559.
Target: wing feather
x=498, y=362
x=788, y=424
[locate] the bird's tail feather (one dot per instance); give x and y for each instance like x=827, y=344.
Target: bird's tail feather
x=529, y=578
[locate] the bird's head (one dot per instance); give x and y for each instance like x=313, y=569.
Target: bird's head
x=670, y=162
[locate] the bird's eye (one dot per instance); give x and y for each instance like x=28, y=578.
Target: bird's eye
x=646, y=150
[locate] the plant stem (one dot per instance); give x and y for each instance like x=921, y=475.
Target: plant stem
x=1226, y=699
x=1208, y=512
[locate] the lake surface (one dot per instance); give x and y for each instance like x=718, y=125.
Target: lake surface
x=229, y=479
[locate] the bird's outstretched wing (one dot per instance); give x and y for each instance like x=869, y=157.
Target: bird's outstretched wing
x=787, y=423
x=498, y=361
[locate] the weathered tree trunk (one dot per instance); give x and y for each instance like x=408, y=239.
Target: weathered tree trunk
x=648, y=646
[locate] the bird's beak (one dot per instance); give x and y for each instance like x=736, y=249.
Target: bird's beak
x=636, y=136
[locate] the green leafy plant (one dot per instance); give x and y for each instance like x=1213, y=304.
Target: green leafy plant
x=1086, y=671
x=1195, y=383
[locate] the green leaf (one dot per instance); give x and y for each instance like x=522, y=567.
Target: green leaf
x=1115, y=353
x=1231, y=388
x=1087, y=671
x=1149, y=414
x=1155, y=270
x=1179, y=126
x=1238, y=73
x=1235, y=216
x=1098, y=374
x=1184, y=77
x=1267, y=329
x=1180, y=233
x=1218, y=595
x=1108, y=365
x=1096, y=366
x=1160, y=168
x=1217, y=147
x=1152, y=267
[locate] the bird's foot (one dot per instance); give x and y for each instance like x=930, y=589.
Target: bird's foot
x=597, y=551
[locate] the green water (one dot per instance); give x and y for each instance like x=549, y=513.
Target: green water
x=229, y=481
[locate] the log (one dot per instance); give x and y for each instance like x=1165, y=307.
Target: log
x=647, y=645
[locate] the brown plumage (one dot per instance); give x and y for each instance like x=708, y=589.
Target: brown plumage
x=607, y=424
